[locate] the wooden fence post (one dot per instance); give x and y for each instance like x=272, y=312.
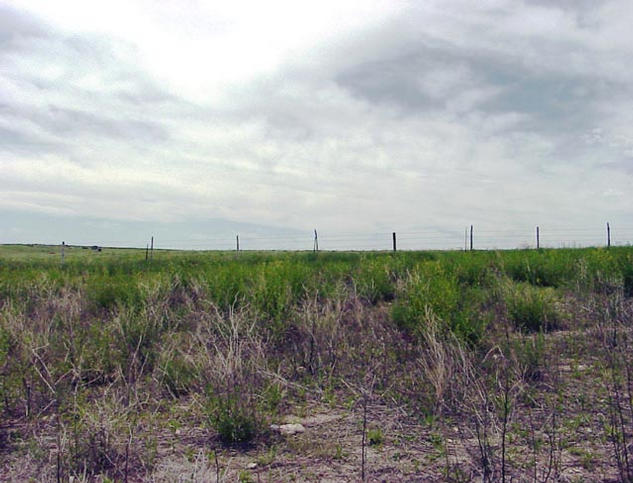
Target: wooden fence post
x=151, y=249
x=315, y=248
x=394, y=240
x=63, y=246
x=471, y=237
x=538, y=241
x=237, y=243
x=608, y=235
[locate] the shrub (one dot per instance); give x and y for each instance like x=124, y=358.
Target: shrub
x=532, y=309
x=235, y=422
x=373, y=282
x=375, y=437
x=478, y=271
x=530, y=353
x=428, y=288
x=139, y=335
x=179, y=375
x=108, y=293
x=627, y=275
x=99, y=436
x=230, y=369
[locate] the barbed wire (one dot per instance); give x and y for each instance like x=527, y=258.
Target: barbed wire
x=408, y=239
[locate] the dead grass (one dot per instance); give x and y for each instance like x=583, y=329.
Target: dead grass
x=153, y=392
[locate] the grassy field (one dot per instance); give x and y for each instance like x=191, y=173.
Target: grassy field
x=411, y=366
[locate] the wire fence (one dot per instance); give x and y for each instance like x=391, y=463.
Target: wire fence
x=467, y=238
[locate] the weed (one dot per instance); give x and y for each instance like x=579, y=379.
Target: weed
x=532, y=309
x=92, y=352
x=245, y=477
x=234, y=423
x=375, y=437
x=531, y=356
x=268, y=457
x=437, y=441
x=339, y=454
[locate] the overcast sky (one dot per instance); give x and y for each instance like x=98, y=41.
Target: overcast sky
x=196, y=120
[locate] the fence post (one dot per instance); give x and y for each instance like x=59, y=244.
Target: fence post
x=315, y=248
x=608, y=235
x=471, y=237
x=393, y=235
x=538, y=241
x=151, y=249
x=63, y=246
x=237, y=243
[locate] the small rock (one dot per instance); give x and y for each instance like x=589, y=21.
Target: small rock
x=251, y=466
x=288, y=429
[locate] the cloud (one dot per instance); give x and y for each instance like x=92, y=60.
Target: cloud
x=434, y=114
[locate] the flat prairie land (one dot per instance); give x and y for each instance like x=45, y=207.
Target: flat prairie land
x=330, y=366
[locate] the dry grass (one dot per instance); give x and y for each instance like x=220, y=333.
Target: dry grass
x=175, y=386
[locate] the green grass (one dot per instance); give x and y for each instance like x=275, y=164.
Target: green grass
x=248, y=336
x=453, y=285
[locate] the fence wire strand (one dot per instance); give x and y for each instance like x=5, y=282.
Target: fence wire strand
x=412, y=239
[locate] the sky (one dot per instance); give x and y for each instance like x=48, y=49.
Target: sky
x=194, y=121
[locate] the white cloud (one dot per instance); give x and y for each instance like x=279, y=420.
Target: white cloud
x=328, y=114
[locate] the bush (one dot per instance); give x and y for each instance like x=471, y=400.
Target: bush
x=375, y=437
x=235, y=422
x=139, y=335
x=532, y=309
x=530, y=353
x=373, y=282
x=5, y=357
x=231, y=375
x=179, y=375
x=479, y=271
x=627, y=275
x=99, y=436
x=429, y=288
x=108, y=293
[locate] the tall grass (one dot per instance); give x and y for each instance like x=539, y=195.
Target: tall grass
x=106, y=342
